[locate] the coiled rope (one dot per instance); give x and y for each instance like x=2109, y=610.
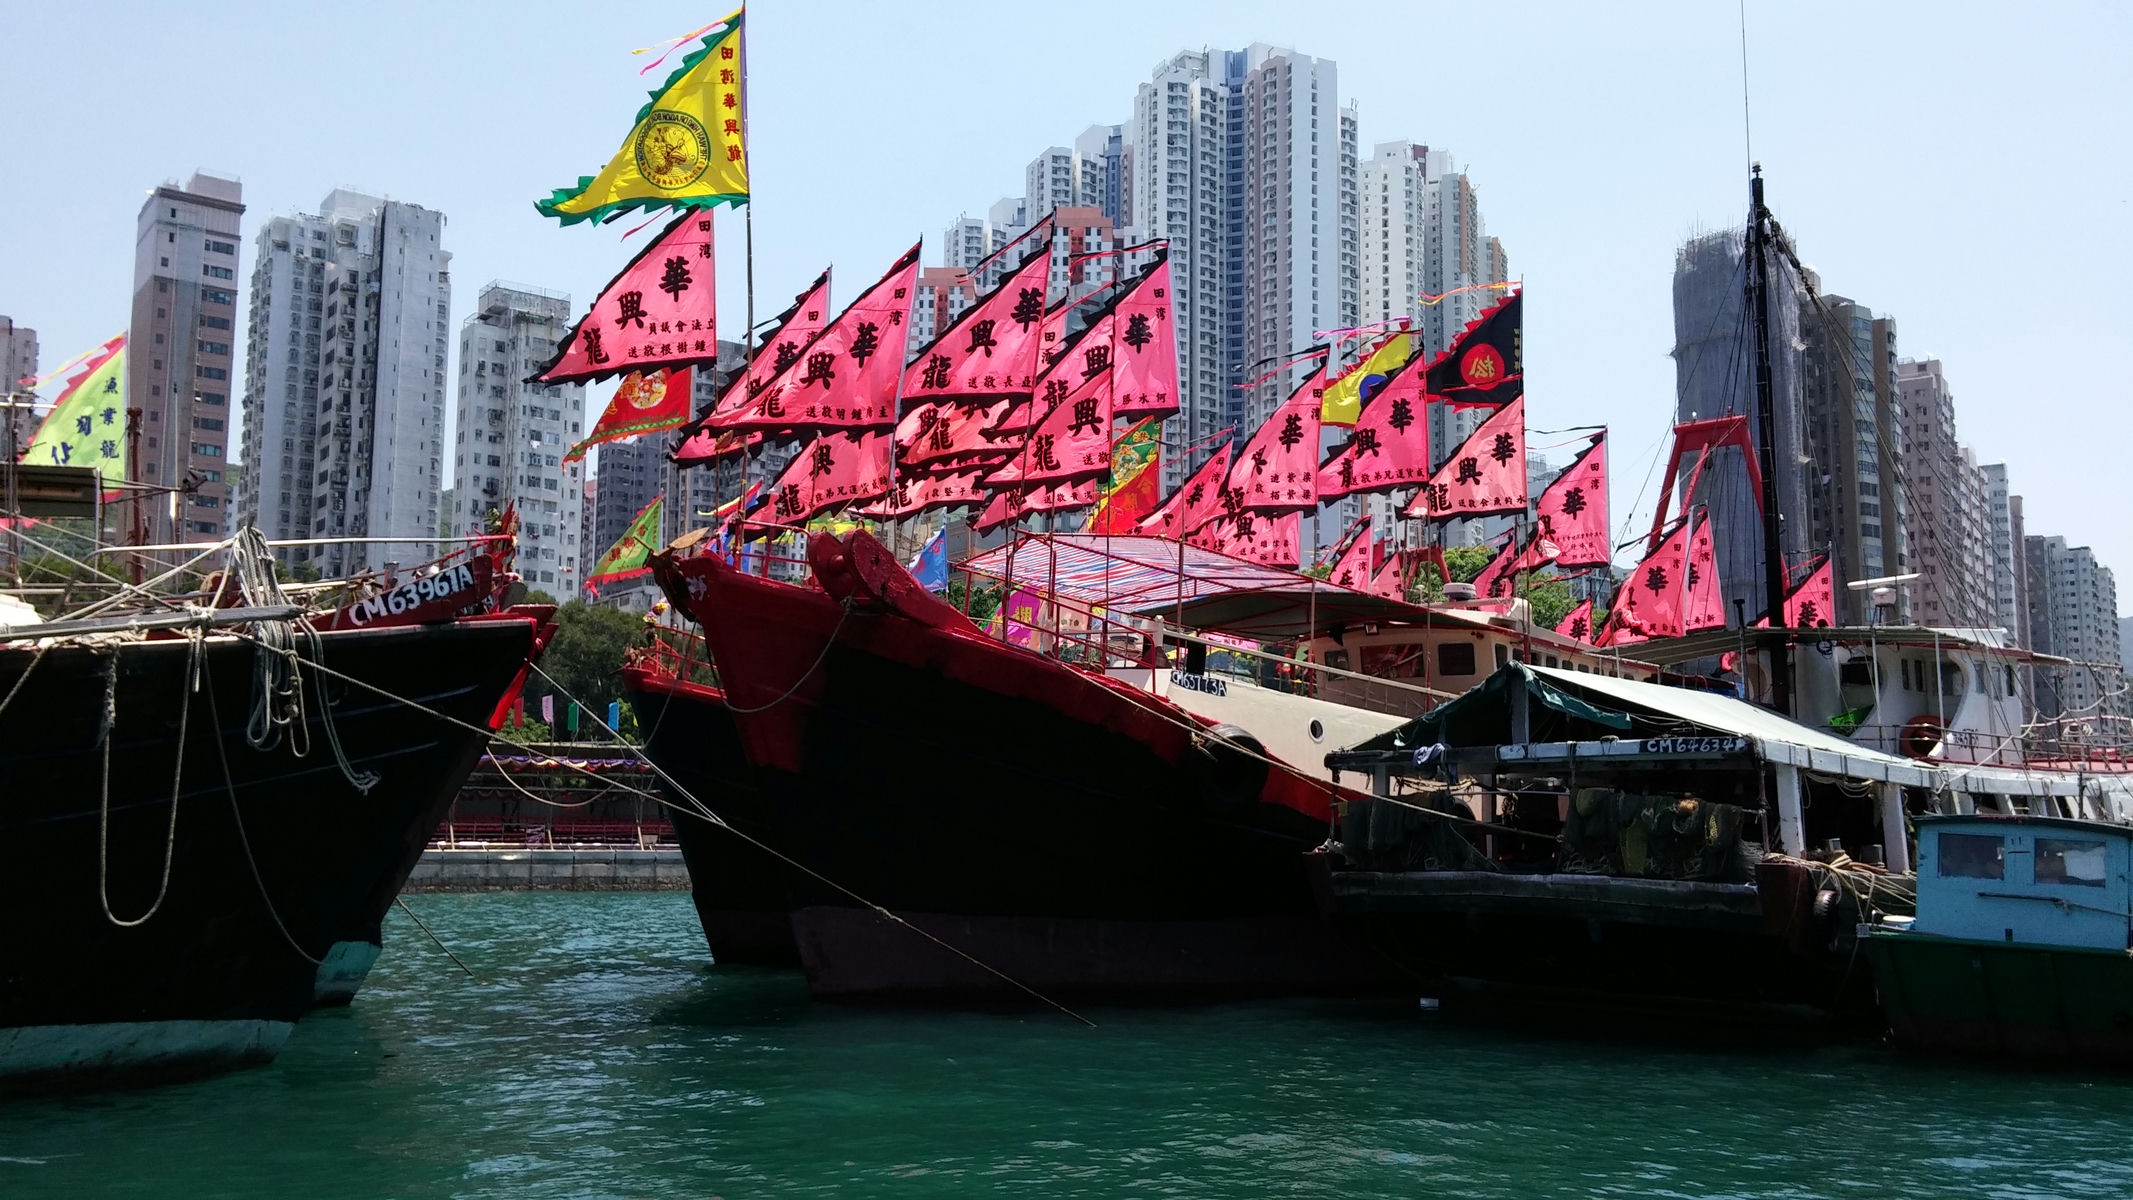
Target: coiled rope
x=277, y=708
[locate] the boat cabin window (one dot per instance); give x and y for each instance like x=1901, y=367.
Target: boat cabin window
x=2066, y=861
x=1503, y=654
x=1856, y=672
x=1337, y=659
x=1552, y=661
x=1455, y=658
x=1394, y=662
x=2010, y=680
x=1971, y=856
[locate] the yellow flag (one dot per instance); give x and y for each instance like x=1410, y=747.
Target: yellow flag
x=688, y=149
x=87, y=424
x=1343, y=402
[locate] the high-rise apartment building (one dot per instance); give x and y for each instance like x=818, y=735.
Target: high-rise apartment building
x=2073, y=613
x=630, y=474
x=512, y=434
x=1714, y=351
x=1180, y=160
x=1858, y=505
x=2010, y=577
x=344, y=381
x=18, y=364
x=1423, y=234
x=1947, y=533
x=1246, y=163
x=181, y=341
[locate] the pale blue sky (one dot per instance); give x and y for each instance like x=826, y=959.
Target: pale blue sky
x=1963, y=167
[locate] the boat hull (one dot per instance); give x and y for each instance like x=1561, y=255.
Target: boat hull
x=2006, y=999
x=739, y=889
x=1089, y=835
x=286, y=851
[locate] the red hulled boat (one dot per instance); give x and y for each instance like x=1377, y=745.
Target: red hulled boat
x=1071, y=831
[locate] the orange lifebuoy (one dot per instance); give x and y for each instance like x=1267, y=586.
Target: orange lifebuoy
x=1921, y=736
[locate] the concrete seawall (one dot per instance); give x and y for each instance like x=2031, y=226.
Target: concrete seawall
x=590, y=869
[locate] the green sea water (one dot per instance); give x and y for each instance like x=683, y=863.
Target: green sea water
x=598, y=1052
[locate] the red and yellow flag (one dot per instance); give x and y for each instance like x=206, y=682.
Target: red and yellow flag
x=647, y=402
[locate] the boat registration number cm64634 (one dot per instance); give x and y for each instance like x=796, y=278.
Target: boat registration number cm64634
x=1695, y=745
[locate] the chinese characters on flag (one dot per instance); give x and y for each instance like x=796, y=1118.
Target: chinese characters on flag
x=829, y=472
x=1390, y=446
x=659, y=312
x=1196, y=502
x=846, y=377
x=1144, y=341
x=1486, y=474
x=991, y=350
x=1572, y=511
x=1278, y=469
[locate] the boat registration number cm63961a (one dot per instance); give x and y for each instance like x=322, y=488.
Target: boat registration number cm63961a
x=432, y=597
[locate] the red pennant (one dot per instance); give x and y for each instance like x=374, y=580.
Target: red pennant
x=781, y=347
x=1254, y=537
x=1390, y=446
x=1577, y=623
x=1486, y=474
x=1573, y=509
x=1197, y=501
x=914, y=495
x=646, y=402
x=1387, y=582
x=833, y=470
x=1814, y=602
x=947, y=437
x=846, y=377
x=1705, y=609
x=1357, y=565
x=659, y=312
x=1278, y=470
x=991, y=350
x=1073, y=441
x=1145, y=347
x=1650, y=602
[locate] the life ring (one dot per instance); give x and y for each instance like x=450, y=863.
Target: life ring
x=1921, y=736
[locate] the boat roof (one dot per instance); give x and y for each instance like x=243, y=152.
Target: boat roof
x=1995, y=643
x=1141, y=575
x=1155, y=576
x=2071, y=824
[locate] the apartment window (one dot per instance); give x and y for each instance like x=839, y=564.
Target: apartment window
x=208, y=322
x=207, y=450
x=213, y=296
x=213, y=272
x=215, y=247
x=211, y=347
x=214, y=398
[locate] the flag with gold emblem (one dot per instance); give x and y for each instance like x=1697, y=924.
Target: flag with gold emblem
x=87, y=424
x=688, y=148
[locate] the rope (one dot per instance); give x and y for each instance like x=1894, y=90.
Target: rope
x=787, y=694
x=229, y=785
x=698, y=808
x=189, y=683
x=42, y=648
x=361, y=781
x=433, y=937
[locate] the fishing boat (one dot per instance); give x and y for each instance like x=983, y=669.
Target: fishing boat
x=2022, y=945
x=964, y=816
x=210, y=806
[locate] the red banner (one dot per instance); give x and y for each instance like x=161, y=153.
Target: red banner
x=780, y=348
x=845, y=379
x=833, y=470
x=914, y=495
x=1278, y=470
x=1705, y=608
x=991, y=350
x=643, y=403
x=1390, y=446
x=1359, y=562
x=660, y=311
x=1814, y=602
x=1144, y=351
x=1486, y=474
x=1578, y=622
x=1572, y=511
x=1254, y=537
x=948, y=437
x=1197, y=501
x=1073, y=441
x=1650, y=602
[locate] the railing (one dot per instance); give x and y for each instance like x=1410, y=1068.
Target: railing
x=1972, y=747
x=679, y=654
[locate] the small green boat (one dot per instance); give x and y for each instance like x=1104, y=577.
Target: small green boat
x=2023, y=942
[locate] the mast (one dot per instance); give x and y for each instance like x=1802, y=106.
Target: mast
x=1766, y=429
